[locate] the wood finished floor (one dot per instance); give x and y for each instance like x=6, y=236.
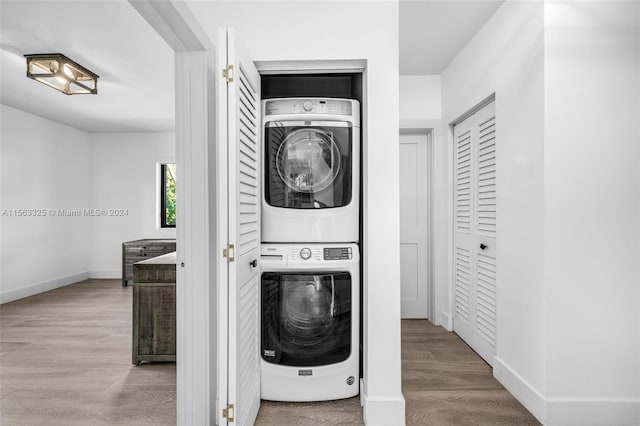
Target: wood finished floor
x=65, y=359
x=445, y=383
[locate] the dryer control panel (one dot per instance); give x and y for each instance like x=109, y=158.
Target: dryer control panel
x=308, y=106
x=338, y=253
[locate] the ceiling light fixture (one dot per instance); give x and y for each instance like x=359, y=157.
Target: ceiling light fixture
x=57, y=71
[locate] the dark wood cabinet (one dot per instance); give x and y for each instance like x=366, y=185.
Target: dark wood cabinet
x=154, y=309
x=138, y=250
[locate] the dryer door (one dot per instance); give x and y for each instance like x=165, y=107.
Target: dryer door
x=308, y=165
x=306, y=318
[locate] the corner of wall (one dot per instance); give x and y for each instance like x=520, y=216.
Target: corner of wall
x=528, y=396
x=383, y=411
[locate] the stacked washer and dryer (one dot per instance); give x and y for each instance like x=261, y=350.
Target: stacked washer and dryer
x=310, y=286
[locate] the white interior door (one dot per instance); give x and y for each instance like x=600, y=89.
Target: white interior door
x=475, y=231
x=240, y=88
x=414, y=220
x=484, y=341
x=464, y=285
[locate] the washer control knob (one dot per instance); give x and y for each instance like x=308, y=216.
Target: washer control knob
x=308, y=106
x=305, y=253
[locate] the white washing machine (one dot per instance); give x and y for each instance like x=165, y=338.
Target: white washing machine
x=311, y=185
x=310, y=322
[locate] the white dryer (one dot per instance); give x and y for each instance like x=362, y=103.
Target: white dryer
x=309, y=322
x=311, y=185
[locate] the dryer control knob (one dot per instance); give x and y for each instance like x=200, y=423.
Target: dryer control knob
x=305, y=253
x=307, y=105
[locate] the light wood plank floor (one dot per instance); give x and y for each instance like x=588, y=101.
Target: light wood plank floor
x=446, y=383
x=65, y=359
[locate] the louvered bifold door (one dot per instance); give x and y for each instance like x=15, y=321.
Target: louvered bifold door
x=243, y=121
x=484, y=341
x=475, y=231
x=463, y=261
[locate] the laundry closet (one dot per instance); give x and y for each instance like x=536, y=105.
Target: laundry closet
x=310, y=221
x=294, y=170
x=220, y=92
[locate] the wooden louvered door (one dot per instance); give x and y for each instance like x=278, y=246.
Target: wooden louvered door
x=475, y=231
x=242, y=83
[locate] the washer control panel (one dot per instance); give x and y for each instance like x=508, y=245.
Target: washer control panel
x=308, y=106
x=311, y=255
x=338, y=253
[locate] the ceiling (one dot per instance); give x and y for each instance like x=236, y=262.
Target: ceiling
x=136, y=68
x=110, y=38
x=432, y=32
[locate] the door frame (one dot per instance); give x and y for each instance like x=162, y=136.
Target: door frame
x=441, y=214
x=429, y=133
x=196, y=233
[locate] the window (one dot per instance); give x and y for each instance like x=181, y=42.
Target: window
x=168, y=195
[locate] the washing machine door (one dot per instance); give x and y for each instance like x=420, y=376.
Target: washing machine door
x=306, y=318
x=308, y=165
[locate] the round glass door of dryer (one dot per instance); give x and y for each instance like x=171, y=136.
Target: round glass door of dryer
x=308, y=160
x=308, y=166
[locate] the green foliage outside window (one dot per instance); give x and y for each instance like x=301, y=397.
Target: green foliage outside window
x=169, y=195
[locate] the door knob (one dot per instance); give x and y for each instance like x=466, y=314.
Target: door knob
x=254, y=263
x=483, y=246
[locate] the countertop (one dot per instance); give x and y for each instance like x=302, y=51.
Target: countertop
x=165, y=259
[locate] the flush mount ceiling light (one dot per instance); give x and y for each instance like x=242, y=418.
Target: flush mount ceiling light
x=61, y=73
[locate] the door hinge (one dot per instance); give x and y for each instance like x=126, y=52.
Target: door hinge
x=228, y=413
x=227, y=73
x=229, y=253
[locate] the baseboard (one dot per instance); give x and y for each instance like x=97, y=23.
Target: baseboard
x=105, y=274
x=528, y=396
x=383, y=411
x=20, y=293
x=593, y=412
x=444, y=320
x=567, y=412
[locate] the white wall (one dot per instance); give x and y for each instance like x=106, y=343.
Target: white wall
x=50, y=166
x=565, y=77
x=420, y=98
x=44, y=166
x=339, y=30
x=506, y=58
x=592, y=215
x=125, y=176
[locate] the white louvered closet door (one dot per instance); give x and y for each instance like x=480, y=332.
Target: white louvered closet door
x=475, y=231
x=243, y=133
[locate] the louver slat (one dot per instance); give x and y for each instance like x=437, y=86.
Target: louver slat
x=486, y=298
x=248, y=168
x=462, y=284
x=486, y=179
x=463, y=182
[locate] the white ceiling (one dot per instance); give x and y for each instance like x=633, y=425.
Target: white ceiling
x=432, y=32
x=136, y=69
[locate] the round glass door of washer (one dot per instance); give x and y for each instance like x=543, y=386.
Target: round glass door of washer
x=308, y=160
